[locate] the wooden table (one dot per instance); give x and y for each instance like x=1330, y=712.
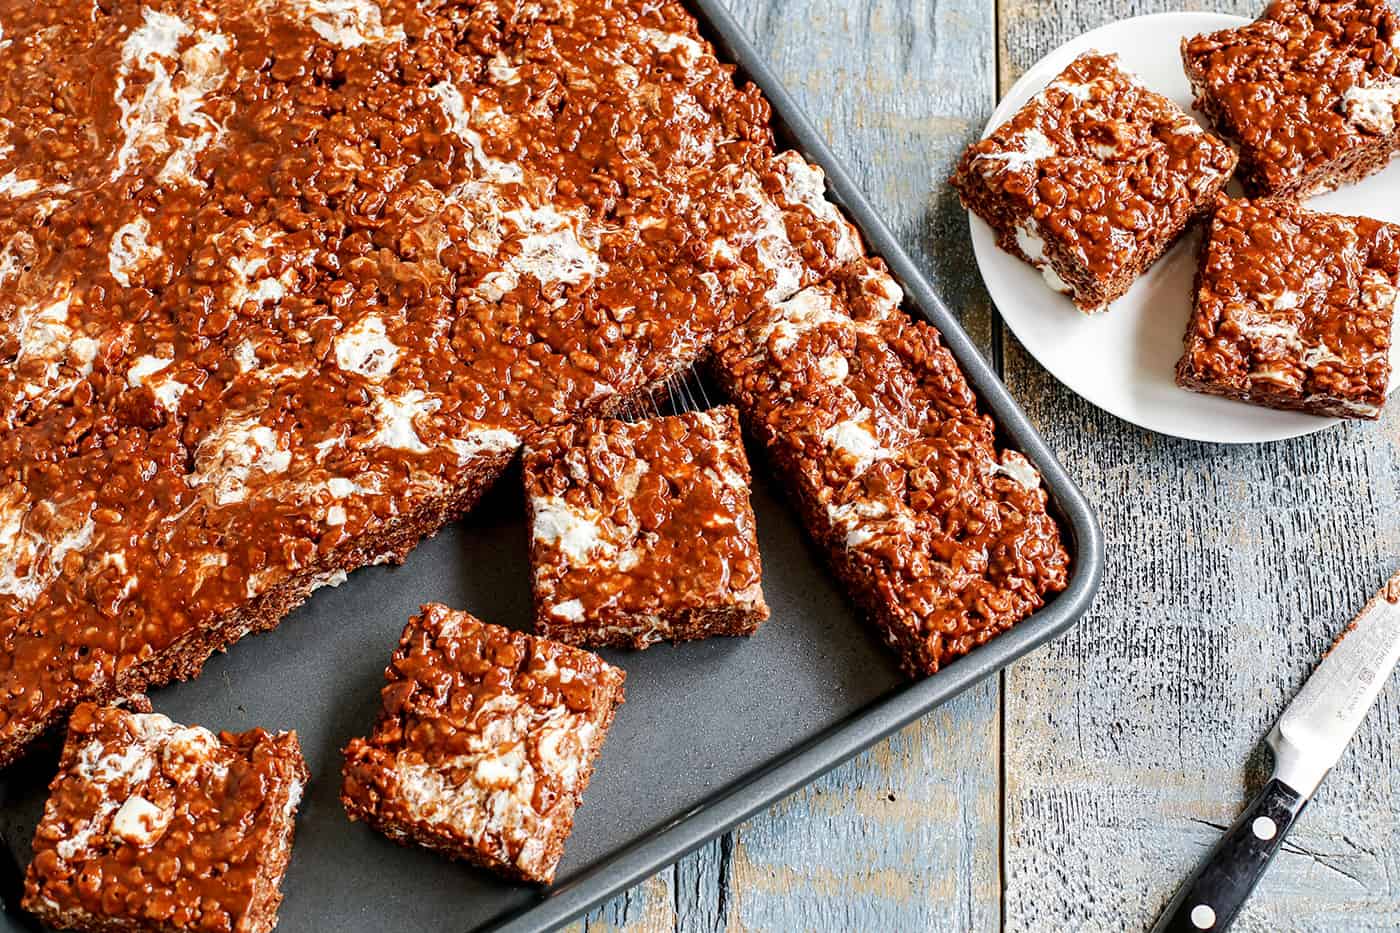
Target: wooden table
x=1076, y=790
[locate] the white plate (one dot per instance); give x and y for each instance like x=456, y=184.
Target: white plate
x=1123, y=360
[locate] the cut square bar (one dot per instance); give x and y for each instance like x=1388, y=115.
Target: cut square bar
x=940, y=538
x=1294, y=309
x=484, y=745
x=1093, y=179
x=156, y=826
x=1310, y=91
x=643, y=531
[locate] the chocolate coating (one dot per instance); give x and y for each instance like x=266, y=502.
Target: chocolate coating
x=484, y=745
x=155, y=826
x=1294, y=309
x=643, y=531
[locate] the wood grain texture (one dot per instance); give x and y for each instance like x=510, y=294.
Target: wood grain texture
x=1133, y=740
x=906, y=837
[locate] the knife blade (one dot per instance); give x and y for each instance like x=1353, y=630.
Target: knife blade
x=1316, y=727
x=1307, y=741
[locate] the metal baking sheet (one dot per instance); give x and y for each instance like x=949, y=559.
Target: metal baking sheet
x=711, y=732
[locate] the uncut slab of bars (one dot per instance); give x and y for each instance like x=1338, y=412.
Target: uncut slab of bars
x=284, y=285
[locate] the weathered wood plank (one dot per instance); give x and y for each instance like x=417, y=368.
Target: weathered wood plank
x=1131, y=740
x=907, y=836
x=903, y=838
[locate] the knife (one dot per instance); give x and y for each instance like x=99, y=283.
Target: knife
x=1306, y=742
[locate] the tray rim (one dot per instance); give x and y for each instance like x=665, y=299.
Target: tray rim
x=800, y=765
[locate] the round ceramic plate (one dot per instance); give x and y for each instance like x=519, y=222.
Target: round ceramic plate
x=1123, y=359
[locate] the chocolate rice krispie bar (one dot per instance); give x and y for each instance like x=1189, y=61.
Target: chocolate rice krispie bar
x=155, y=826
x=484, y=745
x=942, y=539
x=1093, y=179
x=642, y=531
x=1310, y=92
x=1294, y=309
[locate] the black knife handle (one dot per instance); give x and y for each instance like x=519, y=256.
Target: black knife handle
x=1213, y=896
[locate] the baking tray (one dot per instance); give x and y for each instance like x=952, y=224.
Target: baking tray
x=712, y=731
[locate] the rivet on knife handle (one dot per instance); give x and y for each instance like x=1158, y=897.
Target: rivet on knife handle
x=1214, y=895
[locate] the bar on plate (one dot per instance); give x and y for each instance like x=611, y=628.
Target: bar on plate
x=1093, y=179
x=1294, y=309
x=1310, y=92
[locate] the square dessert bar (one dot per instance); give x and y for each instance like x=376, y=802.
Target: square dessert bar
x=156, y=826
x=484, y=745
x=1093, y=179
x=643, y=531
x=940, y=538
x=1294, y=309
x=1310, y=91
